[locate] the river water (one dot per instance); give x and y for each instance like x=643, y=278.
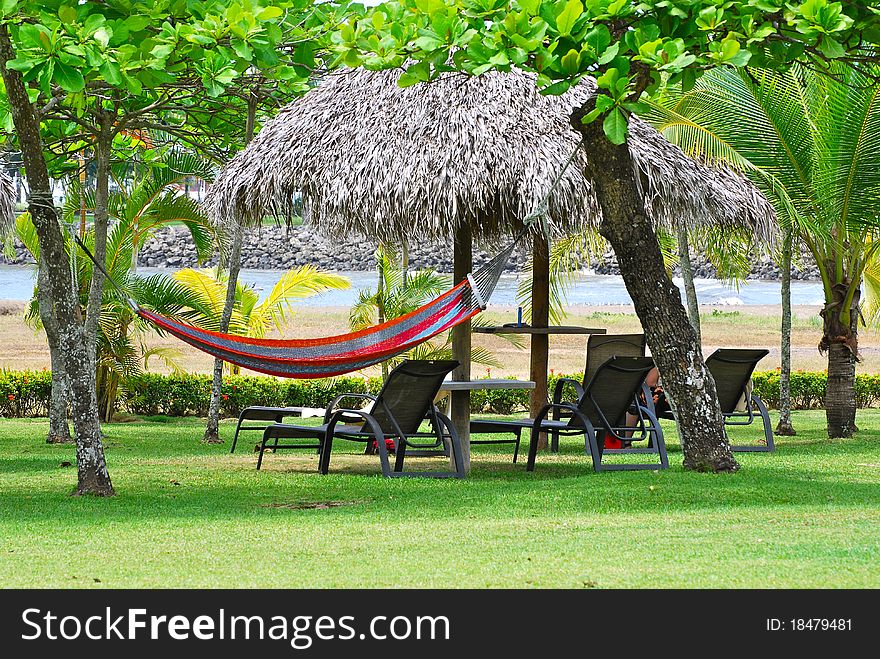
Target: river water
x=17, y=282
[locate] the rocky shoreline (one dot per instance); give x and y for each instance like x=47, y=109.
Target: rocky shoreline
x=273, y=248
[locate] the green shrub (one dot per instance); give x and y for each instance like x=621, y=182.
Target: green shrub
x=25, y=393
x=28, y=393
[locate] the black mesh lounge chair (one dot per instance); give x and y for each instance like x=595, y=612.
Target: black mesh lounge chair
x=607, y=397
x=732, y=370
x=404, y=403
x=600, y=348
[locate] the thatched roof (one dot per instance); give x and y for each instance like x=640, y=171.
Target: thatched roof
x=371, y=158
x=7, y=203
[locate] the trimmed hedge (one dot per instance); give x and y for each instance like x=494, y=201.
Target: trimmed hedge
x=27, y=393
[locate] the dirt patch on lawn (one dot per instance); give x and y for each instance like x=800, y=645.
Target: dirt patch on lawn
x=312, y=505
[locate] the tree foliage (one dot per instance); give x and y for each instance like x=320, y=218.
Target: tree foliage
x=628, y=46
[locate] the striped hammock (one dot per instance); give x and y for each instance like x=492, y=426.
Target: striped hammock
x=335, y=355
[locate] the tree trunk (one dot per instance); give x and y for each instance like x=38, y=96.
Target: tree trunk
x=784, y=426
x=92, y=474
x=103, y=146
x=461, y=348
x=383, y=255
x=840, y=339
x=212, y=430
x=539, y=358
x=657, y=301
x=687, y=275
x=59, y=431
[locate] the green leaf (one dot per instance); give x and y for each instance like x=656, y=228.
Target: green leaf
x=269, y=13
x=110, y=70
x=615, y=126
x=638, y=107
x=569, y=62
x=22, y=64
x=598, y=38
x=568, y=16
x=831, y=48
x=557, y=88
x=609, y=54
x=65, y=13
x=531, y=7
x=68, y=78
x=429, y=7
x=137, y=23
x=407, y=80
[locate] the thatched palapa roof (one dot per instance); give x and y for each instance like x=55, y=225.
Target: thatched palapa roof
x=371, y=158
x=7, y=203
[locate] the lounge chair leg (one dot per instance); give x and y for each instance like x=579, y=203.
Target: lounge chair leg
x=383, y=456
x=533, y=447
x=263, y=448
x=324, y=462
x=768, y=427
x=400, y=451
x=235, y=437
x=592, y=447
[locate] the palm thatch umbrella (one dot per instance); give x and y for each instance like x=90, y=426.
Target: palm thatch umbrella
x=7, y=203
x=462, y=156
x=371, y=158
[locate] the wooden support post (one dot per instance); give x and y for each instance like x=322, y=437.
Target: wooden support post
x=461, y=346
x=540, y=318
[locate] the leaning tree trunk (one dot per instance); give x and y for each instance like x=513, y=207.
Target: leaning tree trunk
x=657, y=301
x=103, y=146
x=687, y=275
x=784, y=426
x=59, y=431
x=92, y=474
x=212, y=429
x=840, y=339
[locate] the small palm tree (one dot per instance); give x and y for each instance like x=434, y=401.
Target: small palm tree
x=400, y=292
x=150, y=202
x=810, y=140
x=251, y=316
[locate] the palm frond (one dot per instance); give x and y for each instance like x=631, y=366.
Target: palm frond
x=168, y=356
x=294, y=284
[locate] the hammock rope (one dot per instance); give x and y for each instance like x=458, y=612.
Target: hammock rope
x=335, y=355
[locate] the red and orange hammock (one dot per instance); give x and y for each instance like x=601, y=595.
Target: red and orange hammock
x=335, y=355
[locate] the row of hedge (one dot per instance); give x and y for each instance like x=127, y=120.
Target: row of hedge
x=27, y=393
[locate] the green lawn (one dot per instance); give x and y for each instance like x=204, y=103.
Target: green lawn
x=190, y=515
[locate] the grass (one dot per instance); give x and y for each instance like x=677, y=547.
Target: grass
x=191, y=515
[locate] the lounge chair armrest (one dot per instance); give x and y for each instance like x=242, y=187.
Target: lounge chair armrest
x=342, y=397
x=340, y=415
x=560, y=387
x=569, y=407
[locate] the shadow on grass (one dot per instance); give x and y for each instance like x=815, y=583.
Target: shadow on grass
x=206, y=495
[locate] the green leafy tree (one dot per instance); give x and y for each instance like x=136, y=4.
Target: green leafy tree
x=78, y=77
x=811, y=141
x=151, y=202
x=630, y=48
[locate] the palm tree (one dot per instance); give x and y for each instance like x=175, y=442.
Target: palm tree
x=400, y=292
x=251, y=316
x=810, y=140
x=150, y=202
